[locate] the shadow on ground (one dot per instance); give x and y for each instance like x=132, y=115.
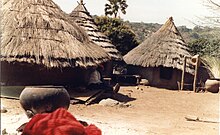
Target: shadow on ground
x=123, y=98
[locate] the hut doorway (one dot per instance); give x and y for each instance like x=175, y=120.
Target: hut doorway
x=166, y=73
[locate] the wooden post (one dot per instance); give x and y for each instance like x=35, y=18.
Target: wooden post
x=195, y=75
x=183, y=73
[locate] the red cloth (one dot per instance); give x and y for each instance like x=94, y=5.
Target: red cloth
x=59, y=122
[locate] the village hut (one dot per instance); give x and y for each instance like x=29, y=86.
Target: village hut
x=41, y=45
x=160, y=58
x=83, y=18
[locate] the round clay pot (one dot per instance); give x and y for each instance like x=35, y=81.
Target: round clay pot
x=212, y=85
x=40, y=99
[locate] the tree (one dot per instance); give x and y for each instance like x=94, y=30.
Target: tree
x=197, y=46
x=205, y=46
x=118, y=32
x=113, y=7
x=214, y=6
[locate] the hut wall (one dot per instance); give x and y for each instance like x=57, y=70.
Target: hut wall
x=154, y=77
x=146, y=73
x=18, y=74
x=203, y=74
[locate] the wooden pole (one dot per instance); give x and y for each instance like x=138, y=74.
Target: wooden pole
x=195, y=75
x=183, y=73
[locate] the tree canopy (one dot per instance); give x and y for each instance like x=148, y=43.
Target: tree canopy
x=118, y=32
x=205, y=46
x=113, y=7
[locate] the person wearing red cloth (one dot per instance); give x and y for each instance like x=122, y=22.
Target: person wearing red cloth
x=59, y=122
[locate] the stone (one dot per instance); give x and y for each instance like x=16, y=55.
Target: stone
x=108, y=102
x=3, y=109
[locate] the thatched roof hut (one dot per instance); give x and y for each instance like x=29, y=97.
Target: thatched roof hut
x=83, y=18
x=38, y=32
x=40, y=43
x=165, y=47
x=160, y=58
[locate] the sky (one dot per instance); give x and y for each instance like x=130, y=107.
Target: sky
x=184, y=12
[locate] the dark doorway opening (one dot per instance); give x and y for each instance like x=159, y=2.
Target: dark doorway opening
x=166, y=73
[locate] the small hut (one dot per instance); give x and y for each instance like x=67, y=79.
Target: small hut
x=83, y=18
x=160, y=58
x=41, y=45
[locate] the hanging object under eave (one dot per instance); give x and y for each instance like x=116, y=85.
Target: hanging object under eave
x=83, y=18
x=39, y=32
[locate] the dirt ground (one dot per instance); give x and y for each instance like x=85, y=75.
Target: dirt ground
x=148, y=111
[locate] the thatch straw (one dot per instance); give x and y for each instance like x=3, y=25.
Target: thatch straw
x=213, y=63
x=165, y=48
x=38, y=32
x=83, y=18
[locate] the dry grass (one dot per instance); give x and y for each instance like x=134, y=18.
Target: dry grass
x=213, y=64
x=83, y=18
x=165, y=47
x=40, y=32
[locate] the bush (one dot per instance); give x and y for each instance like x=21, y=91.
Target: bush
x=118, y=32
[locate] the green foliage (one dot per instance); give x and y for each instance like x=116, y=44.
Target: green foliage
x=205, y=46
x=143, y=30
x=201, y=40
x=118, y=32
x=205, y=41
x=198, y=46
x=184, y=29
x=188, y=34
x=113, y=7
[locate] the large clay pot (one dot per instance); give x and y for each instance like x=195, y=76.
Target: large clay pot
x=212, y=85
x=40, y=99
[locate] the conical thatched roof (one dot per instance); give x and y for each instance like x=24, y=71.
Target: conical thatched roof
x=83, y=18
x=165, y=47
x=38, y=32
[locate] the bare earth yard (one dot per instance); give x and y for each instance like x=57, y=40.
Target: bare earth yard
x=151, y=111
